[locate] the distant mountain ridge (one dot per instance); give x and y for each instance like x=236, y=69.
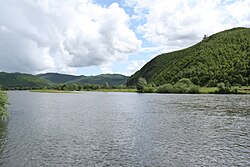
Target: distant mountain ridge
x=222, y=57
x=57, y=78
x=22, y=80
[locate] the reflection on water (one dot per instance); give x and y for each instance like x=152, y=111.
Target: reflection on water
x=126, y=129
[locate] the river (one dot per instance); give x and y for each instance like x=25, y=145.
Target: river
x=125, y=129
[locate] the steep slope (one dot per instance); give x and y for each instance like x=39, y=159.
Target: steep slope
x=56, y=78
x=111, y=79
x=18, y=80
x=222, y=57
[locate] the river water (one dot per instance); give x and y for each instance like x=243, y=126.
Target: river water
x=125, y=129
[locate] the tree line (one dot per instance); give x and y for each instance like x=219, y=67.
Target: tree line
x=184, y=85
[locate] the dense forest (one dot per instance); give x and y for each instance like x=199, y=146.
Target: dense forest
x=19, y=81
x=220, y=58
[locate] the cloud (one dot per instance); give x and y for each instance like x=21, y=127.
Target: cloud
x=135, y=65
x=61, y=35
x=65, y=35
x=184, y=22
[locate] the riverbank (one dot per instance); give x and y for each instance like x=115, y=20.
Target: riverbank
x=99, y=90
x=213, y=90
x=51, y=91
x=202, y=90
x=3, y=106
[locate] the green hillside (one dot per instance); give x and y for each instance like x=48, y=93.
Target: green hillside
x=222, y=57
x=56, y=78
x=111, y=79
x=28, y=81
x=19, y=80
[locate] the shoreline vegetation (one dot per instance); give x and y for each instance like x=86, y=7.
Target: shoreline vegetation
x=3, y=106
x=203, y=90
x=183, y=86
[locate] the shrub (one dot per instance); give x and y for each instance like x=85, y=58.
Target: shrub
x=148, y=89
x=166, y=88
x=223, y=89
x=184, y=85
x=193, y=89
x=226, y=89
x=180, y=88
x=141, y=84
x=3, y=105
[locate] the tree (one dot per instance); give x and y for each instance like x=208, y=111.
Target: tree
x=106, y=85
x=141, y=84
x=205, y=37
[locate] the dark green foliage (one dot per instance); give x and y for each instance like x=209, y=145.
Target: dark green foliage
x=141, y=84
x=226, y=89
x=166, y=88
x=111, y=79
x=56, y=78
x=106, y=85
x=3, y=106
x=184, y=85
x=20, y=81
x=223, y=57
x=148, y=89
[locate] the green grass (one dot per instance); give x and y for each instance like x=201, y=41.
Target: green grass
x=203, y=90
x=244, y=89
x=241, y=89
x=99, y=90
x=207, y=90
x=116, y=90
x=52, y=91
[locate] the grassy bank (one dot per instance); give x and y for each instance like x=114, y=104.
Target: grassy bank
x=116, y=90
x=207, y=90
x=202, y=90
x=98, y=90
x=213, y=90
x=3, y=105
x=51, y=91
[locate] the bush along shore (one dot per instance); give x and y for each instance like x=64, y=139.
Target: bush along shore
x=185, y=85
x=3, y=106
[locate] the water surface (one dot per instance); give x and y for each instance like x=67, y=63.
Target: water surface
x=125, y=129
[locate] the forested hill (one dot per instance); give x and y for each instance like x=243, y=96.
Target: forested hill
x=111, y=79
x=222, y=57
x=56, y=78
x=20, y=81
x=27, y=81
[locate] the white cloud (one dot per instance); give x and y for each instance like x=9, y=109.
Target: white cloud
x=239, y=12
x=106, y=68
x=60, y=35
x=184, y=22
x=135, y=65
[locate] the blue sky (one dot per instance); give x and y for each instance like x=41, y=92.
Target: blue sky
x=90, y=37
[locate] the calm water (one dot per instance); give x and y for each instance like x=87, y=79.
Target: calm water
x=125, y=129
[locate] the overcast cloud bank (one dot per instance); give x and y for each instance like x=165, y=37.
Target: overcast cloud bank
x=63, y=35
